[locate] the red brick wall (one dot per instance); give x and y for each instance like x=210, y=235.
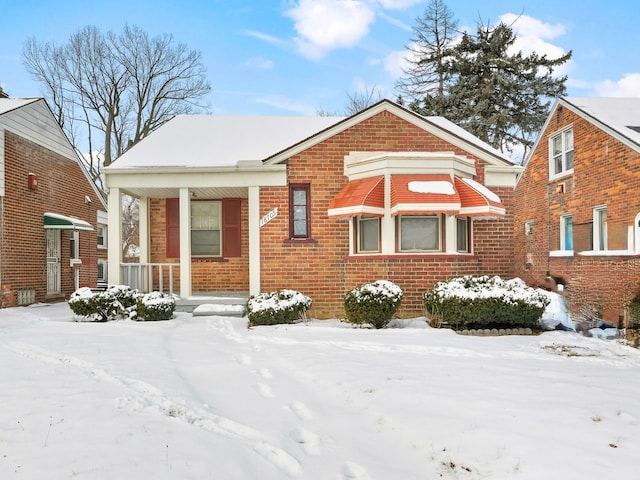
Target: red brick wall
x=606, y=172
x=62, y=188
x=207, y=274
x=322, y=268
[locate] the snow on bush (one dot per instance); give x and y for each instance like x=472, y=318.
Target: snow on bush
x=121, y=301
x=373, y=303
x=486, y=302
x=155, y=306
x=284, y=306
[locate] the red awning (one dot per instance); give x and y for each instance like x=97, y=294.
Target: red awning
x=359, y=197
x=422, y=194
x=477, y=200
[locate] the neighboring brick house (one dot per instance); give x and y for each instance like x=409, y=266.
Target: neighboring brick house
x=51, y=215
x=577, y=205
x=316, y=204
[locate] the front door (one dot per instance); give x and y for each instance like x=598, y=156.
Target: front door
x=53, y=262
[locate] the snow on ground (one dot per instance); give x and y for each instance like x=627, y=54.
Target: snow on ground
x=206, y=397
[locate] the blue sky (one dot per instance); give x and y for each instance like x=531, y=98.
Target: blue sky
x=294, y=57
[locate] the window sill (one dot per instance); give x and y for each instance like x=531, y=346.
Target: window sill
x=208, y=259
x=409, y=255
x=609, y=253
x=302, y=241
x=561, y=253
x=102, y=247
x=560, y=176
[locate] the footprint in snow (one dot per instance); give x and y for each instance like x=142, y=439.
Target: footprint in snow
x=309, y=441
x=301, y=410
x=264, y=390
x=353, y=471
x=265, y=373
x=244, y=359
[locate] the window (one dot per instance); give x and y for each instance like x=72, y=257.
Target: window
x=299, y=211
x=74, y=244
x=205, y=228
x=102, y=271
x=368, y=234
x=462, y=234
x=561, y=152
x=102, y=236
x=600, y=228
x=419, y=233
x=566, y=232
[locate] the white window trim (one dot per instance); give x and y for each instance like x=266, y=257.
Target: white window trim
x=563, y=173
x=103, y=245
x=219, y=205
x=597, y=240
x=358, y=220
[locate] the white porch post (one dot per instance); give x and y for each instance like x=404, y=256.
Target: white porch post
x=114, y=236
x=254, y=240
x=185, y=243
x=450, y=228
x=143, y=229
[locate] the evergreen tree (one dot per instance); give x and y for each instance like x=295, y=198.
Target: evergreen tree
x=425, y=77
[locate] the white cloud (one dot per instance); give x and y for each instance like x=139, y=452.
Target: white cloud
x=324, y=25
x=259, y=63
x=395, y=62
x=264, y=37
x=627, y=86
x=287, y=104
x=397, y=4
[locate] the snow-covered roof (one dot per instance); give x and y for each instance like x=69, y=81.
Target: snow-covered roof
x=619, y=114
x=9, y=104
x=220, y=140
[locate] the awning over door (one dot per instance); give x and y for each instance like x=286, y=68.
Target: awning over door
x=359, y=197
x=55, y=221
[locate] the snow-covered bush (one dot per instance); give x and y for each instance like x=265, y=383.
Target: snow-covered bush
x=117, y=301
x=155, y=306
x=284, y=306
x=373, y=303
x=486, y=302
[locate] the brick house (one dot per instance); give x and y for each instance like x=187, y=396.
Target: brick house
x=317, y=204
x=52, y=218
x=577, y=208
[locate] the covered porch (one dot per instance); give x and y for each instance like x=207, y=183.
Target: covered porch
x=185, y=185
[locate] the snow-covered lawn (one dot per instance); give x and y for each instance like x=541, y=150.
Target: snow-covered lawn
x=207, y=398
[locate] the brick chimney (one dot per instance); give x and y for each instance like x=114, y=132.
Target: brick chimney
x=2, y=94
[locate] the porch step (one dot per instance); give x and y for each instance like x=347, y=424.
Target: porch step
x=230, y=304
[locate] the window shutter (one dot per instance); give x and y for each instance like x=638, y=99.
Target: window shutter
x=231, y=227
x=173, y=227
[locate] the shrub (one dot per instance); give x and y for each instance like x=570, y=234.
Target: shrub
x=634, y=312
x=486, y=302
x=117, y=301
x=373, y=303
x=155, y=306
x=284, y=306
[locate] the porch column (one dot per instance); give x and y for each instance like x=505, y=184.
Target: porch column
x=143, y=236
x=254, y=240
x=114, y=236
x=185, y=243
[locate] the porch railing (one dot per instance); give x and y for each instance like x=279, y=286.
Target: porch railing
x=149, y=277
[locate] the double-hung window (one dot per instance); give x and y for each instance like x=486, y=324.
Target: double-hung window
x=419, y=233
x=600, y=228
x=205, y=228
x=566, y=232
x=368, y=233
x=561, y=153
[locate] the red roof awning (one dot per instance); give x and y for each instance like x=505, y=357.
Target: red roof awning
x=421, y=194
x=417, y=194
x=359, y=197
x=477, y=200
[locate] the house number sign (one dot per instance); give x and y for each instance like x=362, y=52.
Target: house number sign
x=269, y=216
